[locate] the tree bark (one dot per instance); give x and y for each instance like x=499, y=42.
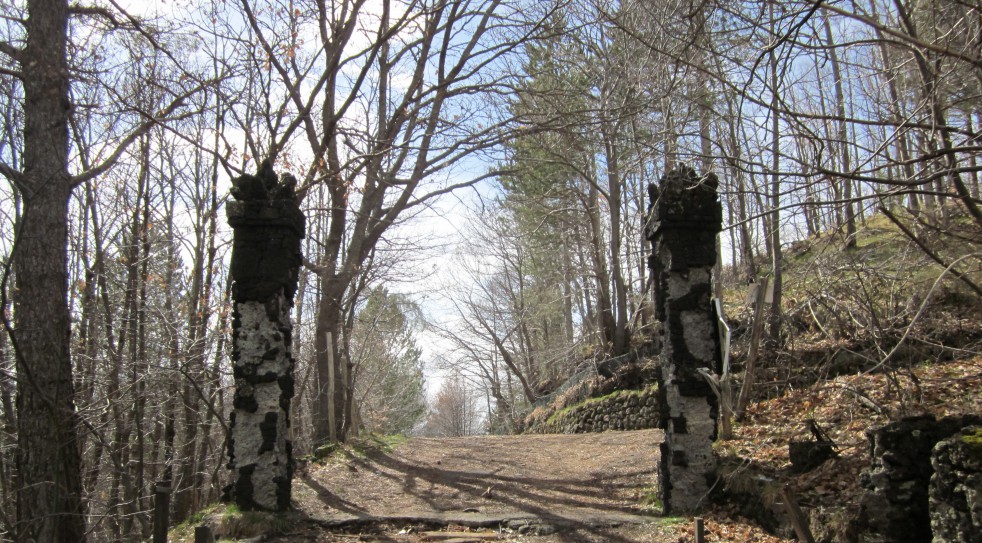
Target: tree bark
x=604, y=306
x=330, y=398
x=49, y=489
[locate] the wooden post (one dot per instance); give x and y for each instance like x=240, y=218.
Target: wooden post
x=726, y=399
x=797, y=517
x=161, y=511
x=750, y=370
x=332, y=410
x=700, y=530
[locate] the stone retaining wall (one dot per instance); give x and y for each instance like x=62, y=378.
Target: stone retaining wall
x=621, y=410
x=955, y=495
x=896, y=506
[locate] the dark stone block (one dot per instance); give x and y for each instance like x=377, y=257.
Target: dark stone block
x=286, y=383
x=808, y=455
x=246, y=372
x=679, y=458
x=230, y=443
x=664, y=481
x=242, y=489
x=692, y=388
x=244, y=401
x=896, y=507
x=955, y=508
x=664, y=414
x=249, y=187
x=268, y=428
x=653, y=193
x=265, y=261
x=282, y=492
x=686, y=200
x=266, y=251
x=679, y=426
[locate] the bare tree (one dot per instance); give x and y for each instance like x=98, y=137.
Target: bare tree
x=386, y=99
x=49, y=506
x=454, y=411
x=49, y=488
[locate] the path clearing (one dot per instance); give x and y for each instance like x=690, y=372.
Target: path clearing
x=588, y=487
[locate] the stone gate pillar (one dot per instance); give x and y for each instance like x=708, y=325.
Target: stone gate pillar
x=684, y=219
x=268, y=226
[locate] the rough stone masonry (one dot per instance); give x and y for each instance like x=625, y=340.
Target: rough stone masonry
x=915, y=495
x=266, y=257
x=684, y=219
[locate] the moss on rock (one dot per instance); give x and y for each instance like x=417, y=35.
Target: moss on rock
x=625, y=409
x=972, y=438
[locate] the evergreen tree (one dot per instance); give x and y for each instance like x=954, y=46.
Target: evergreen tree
x=389, y=387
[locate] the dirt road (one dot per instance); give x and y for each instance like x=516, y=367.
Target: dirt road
x=585, y=487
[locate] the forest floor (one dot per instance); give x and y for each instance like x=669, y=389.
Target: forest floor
x=598, y=487
x=532, y=488
x=586, y=487
x=846, y=407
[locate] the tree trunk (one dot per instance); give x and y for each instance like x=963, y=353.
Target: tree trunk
x=973, y=157
x=941, y=139
x=671, y=143
x=849, y=214
x=49, y=505
x=747, y=258
x=567, y=290
x=777, y=260
x=614, y=186
x=8, y=421
x=703, y=92
x=604, y=311
x=329, y=399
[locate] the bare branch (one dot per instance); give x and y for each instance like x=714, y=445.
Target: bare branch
x=94, y=11
x=904, y=37
x=13, y=175
x=151, y=120
x=12, y=51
